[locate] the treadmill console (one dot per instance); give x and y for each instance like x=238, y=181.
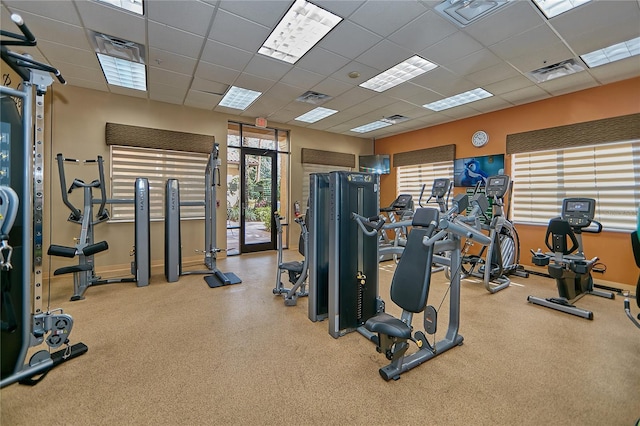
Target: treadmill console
x=440, y=187
x=497, y=186
x=404, y=201
x=579, y=212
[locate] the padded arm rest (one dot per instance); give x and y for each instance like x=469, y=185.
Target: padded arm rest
x=384, y=323
x=61, y=251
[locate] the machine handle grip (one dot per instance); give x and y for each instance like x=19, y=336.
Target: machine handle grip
x=465, y=231
x=374, y=224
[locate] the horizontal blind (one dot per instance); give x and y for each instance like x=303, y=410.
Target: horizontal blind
x=307, y=169
x=129, y=163
x=409, y=179
x=608, y=173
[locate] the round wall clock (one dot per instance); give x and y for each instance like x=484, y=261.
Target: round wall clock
x=479, y=138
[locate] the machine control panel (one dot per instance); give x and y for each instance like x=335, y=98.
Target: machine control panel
x=579, y=212
x=440, y=187
x=497, y=186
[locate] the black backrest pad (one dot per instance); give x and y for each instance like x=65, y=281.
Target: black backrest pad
x=410, y=284
x=558, y=231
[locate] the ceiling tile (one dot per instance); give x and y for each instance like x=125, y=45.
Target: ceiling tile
x=58, y=52
x=515, y=18
x=170, y=61
x=111, y=21
x=508, y=85
x=341, y=8
x=385, y=17
x=87, y=84
x=63, y=11
x=201, y=100
x=349, y=99
x=535, y=39
x=525, y=95
x=302, y=78
x=609, y=73
x=474, y=62
x=216, y=73
x=450, y=49
x=423, y=32
x=266, y=67
x=548, y=55
x=265, y=12
x=225, y=55
x=331, y=87
x=444, y=82
x=195, y=18
x=251, y=82
x=498, y=72
x=210, y=87
x=227, y=27
x=322, y=61
x=169, y=78
x=384, y=55
x=567, y=84
x=128, y=92
x=54, y=31
x=349, y=39
x=174, y=40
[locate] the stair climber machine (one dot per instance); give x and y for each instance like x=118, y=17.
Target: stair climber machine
x=398, y=217
x=501, y=258
x=84, y=275
x=432, y=233
x=568, y=264
x=172, y=240
x=24, y=323
x=440, y=191
x=297, y=271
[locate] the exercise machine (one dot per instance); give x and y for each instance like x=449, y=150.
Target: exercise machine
x=172, y=238
x=440, y=192
x=297, y=271
x=398, y=214
x=501, y=258
x=84, y=275
x=24, y=323
x=431, y=233
x=635, y=244
x=318, y=253
x=353, y=255
x=568, y=264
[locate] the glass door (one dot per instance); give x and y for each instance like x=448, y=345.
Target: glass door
x=259, y=198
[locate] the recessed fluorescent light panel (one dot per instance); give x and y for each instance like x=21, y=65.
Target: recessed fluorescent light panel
x=121, y=72
x=300, y=29
x=316, y=114
x=371, y=127
x=465, y=12
x=134, y=6
x=552, y=8
x=457, y=100
x=612, y=53
x=239, y=98
x=402, y=72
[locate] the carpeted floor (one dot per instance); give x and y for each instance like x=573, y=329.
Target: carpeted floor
x=184, y=354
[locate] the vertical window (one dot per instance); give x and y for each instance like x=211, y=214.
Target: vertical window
x=607, y=173
x=129, y=163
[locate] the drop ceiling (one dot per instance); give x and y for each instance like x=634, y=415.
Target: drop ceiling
x=195, y=50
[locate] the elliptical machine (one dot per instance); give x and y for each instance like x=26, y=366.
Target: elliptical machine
x=297, y=271
x=440, y=192
x=568, y=265
x=499, y=259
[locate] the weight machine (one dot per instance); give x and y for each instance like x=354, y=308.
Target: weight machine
x=84, y=275
x=172, y=239
x=431, y=234
x=297, y=271
x=24, y=323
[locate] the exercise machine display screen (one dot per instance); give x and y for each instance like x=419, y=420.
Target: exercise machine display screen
x=440, y=187
x=497, y=186
x=579, y=212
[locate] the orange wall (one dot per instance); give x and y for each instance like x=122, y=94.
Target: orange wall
x=616, y=99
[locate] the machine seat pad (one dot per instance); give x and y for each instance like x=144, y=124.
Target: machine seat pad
x=292, y=266
x=386, y=324
x=70, y=269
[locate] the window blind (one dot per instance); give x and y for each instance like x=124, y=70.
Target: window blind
x=307, y=169
x=157, y=165
x=608, y=173
x=409, y=179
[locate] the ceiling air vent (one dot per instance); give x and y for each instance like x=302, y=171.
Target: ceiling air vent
x=117, y=47
x=395, y=119
x=465, y=12
x=314, y=98
x=561, y=69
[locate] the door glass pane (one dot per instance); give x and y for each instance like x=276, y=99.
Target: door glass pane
x=255, y=137
x=284, y=206
x=233, y=201
x=258, y=207
x=233, y=134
